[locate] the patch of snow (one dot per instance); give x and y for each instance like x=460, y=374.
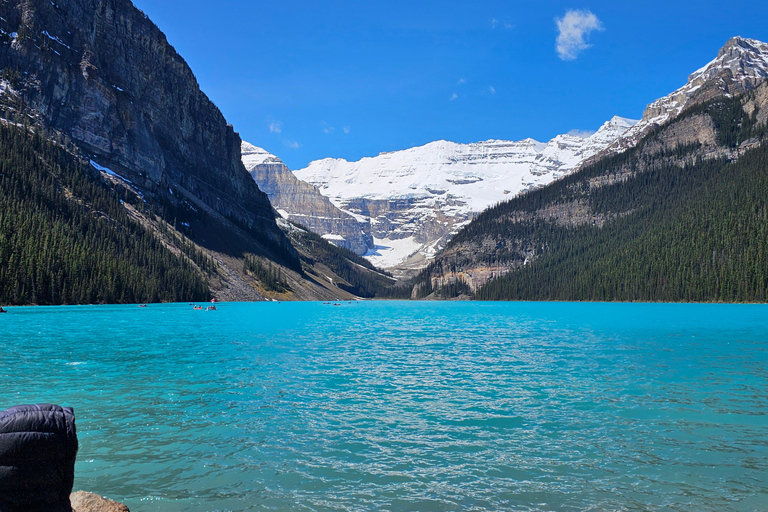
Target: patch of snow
x=388, y=252
x=5, y=87
x=476, y=174
x=55, y=39
x=108, y=171
x=253, y=156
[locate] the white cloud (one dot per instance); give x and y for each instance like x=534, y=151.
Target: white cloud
x=461, y=81
x=292, y=144
x=491, y=89
x=495, y=23
x=581, y=133
x=346, y=129
x=454, y=96
x=275, y=127
x=573, y=30
x=327, y=128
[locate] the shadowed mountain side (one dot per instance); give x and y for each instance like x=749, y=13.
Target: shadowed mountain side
x=102, y=75
x=146, y=197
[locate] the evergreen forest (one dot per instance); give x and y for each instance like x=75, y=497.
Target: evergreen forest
x=66, y=238
x=360, y=276
x=668, y=226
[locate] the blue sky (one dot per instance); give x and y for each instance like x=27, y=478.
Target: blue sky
x=309, y=80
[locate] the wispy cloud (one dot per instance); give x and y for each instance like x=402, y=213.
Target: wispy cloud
x=346, y=129
x=461, y=81
x=292, y=144
x=491, y=89
x=275, y=127
x=495, y=23
x=327, y=128
x=453, y=96
x=573, y=31
x=581, y=133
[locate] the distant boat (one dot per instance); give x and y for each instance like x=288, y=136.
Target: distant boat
x=211, y=308
x=198, y=307
x=142, y=305
x=3, y=310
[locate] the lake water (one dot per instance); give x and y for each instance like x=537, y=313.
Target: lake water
x=405, y=406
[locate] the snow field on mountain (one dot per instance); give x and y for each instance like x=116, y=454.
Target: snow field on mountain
x=449, y=180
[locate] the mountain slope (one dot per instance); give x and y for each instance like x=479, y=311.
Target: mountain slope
x=415, y=200
x=99, y=80
x=66, y=237
x=679, y=217
x=303, y=203
x=103, y=77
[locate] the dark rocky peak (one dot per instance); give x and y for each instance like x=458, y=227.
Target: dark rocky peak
x=101, y=73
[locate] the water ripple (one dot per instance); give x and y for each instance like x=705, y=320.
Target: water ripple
x=395, y=406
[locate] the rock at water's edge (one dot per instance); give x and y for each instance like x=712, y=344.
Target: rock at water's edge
x=88, y=502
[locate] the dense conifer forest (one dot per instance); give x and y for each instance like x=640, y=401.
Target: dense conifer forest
x=66, y=238
x=696, y=231
x=270, y=276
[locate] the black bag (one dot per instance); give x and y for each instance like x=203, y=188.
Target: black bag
x=38, y=446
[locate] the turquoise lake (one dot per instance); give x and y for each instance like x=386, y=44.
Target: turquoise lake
x=405, y=406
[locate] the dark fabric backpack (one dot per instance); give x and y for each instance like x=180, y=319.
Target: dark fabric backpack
x=38, y=446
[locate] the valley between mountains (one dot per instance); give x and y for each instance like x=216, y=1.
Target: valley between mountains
x=122, y=182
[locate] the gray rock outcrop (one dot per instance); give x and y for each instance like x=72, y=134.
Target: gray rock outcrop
x=303, y=203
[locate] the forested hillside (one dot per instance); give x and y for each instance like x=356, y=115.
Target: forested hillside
x=681, y=217
x=354, y=273
x=65, y=237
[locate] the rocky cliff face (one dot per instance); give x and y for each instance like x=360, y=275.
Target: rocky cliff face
x=103, y=75
x=303, y=203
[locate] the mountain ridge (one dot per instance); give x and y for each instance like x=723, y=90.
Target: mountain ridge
x=411, y=220
x=98, y=79
x=741, y=64
x=104, y=76
x=668, y=219
x=419, y=197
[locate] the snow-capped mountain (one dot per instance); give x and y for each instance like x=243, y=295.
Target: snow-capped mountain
x=253, y=156
x=415, y=199
x=301, y=202
x=740, y=66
